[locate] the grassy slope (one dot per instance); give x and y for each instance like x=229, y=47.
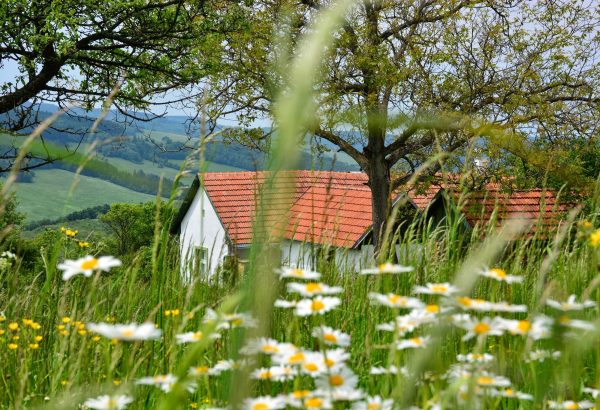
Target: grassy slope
x=84, y=226
x=47, y=196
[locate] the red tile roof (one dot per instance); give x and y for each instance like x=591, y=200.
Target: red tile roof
x=335, y=207
x=537, y=207
x=314, y=206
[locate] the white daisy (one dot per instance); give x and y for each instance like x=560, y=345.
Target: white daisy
x=311, y=289
x=191, y=337
x=377, y=370
x=413, y=343
x=340, y=378
x=511, y=394
x=131, y=332
x=264, y=403
x=478, y=358
x=374, y=403
x=165, y=382
x=541, y=355
x=199, y=371
x=107, y=402
x=576, y=324
x=267, y=346
x=345, y=394
x=395, y=301
x=313, y=364
x=570, y=404
x=331, y=336
x=486, y=379
x=298, y=273
x=285, y=304
x=570, y=304
x=275, y=373
x=500, y=275
x=229, y=320
x=335, y=357
x=87, y=265
x=313, y=402
x=291, y=358
x=444, y=289
x=386, y=268
x=481, y=327
x=594, y=392
x=316, y=306
x=507, y=308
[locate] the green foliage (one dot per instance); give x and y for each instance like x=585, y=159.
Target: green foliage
x=132, y=226
x=156, y=46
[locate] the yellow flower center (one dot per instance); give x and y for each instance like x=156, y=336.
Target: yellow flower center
x=296, y=358
x=127, y=333
x=260, y=406
x=336, y=380
x=270, y=349
x=485, y=380
x=297, y=272
x=329, y=363
x=563, y=320
x=501, y=273
x=524, y=326
x=197, y=336
x=317, y=306
x=481, y=328
x=330, y=337
x=571, y=406
x=311, y=367
x=313, y=403
x=509, y=392
x=394, y=299
x=313, y=287
x=416, y=341
x=384, y=267
x=202, y=369
x=265, y=375
x=439, y=288
x=13, y=326
x=464, y=301
x=373, y=406
x=90, y=264
x=298, y=394
x=432, y=308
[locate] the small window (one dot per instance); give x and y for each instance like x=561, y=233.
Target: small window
x=200, y=260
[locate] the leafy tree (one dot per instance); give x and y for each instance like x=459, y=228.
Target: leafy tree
x=405, y=80
x=77, y=51
x=132, y=225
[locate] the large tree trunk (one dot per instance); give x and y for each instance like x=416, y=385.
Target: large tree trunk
x=379, y=178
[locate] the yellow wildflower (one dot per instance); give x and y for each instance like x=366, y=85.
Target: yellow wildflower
x=33, y=346
x=66, y=319
x=12, y=346
x=595, y=238
x=38, y=338
x=117, y=382
x=14, y=326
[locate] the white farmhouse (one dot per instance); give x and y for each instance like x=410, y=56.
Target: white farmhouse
x=315, y=211
x=323, y=211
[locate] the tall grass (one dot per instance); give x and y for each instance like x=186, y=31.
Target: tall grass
x=67, y=363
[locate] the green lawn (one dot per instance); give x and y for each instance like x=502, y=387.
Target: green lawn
x=48, y=196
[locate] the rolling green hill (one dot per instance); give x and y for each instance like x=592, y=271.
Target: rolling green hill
x=48, y=196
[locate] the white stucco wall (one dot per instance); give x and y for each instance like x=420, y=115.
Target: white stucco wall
x=202, y=229
x=300, y=254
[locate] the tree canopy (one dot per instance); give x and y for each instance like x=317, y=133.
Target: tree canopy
x=77, y=51
x=405, y=80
